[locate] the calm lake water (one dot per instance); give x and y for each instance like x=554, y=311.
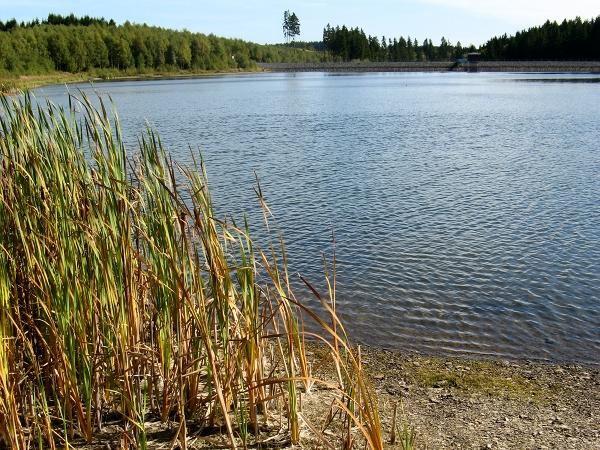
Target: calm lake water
x=466, y=207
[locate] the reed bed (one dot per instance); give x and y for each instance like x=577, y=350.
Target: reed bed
x=122, y=295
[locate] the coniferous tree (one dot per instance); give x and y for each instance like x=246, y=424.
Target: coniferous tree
x=383, y=52
x=458, y=50
x=353, y=44
x=291, y=25
x=286, y=25
x=294, y=26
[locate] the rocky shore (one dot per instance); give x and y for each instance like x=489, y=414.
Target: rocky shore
x=459, y=403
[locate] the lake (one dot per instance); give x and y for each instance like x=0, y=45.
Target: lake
x=465, y=207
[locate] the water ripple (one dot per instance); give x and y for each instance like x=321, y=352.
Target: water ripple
x=466, y=207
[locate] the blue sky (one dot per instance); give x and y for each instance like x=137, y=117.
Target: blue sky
x=467, y=21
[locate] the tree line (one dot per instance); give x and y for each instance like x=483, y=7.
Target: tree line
x=571, y=39
x=349, y=44
x=57, y=19
x=70, y=44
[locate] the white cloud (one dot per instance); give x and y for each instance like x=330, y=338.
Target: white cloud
x=534, y=11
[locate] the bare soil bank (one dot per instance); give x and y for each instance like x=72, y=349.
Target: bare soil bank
x=483, y=66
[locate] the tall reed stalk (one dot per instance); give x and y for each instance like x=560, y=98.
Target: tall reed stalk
x=122, y=293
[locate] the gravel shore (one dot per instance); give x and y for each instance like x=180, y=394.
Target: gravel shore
x=460, y=403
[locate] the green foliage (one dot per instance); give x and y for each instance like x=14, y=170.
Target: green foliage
x=71, y=44
x=570, y=40
x=350, y=44
x=123, y=295
x=291, y=25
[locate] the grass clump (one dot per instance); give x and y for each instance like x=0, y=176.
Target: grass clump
x=481, y=378
x=122, y=295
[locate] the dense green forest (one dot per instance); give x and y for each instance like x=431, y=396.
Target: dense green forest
x=350, y=44
x=570, y=40
x=72, y=44
x=96, y=45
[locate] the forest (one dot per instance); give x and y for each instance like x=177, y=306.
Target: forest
x=350, y=44
x=96, y=45
x=569, y=40
x=71, y=44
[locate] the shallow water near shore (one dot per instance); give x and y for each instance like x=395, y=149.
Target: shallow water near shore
x=465, y=207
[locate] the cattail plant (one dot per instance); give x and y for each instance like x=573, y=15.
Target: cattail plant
x=121, y=293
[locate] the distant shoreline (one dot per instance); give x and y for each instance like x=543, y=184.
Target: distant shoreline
x=11, y=85
x=482, y=66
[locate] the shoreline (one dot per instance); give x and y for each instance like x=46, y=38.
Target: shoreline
x=475, y=357
x=457, y=402
x=10, y=85
x=431, y=66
